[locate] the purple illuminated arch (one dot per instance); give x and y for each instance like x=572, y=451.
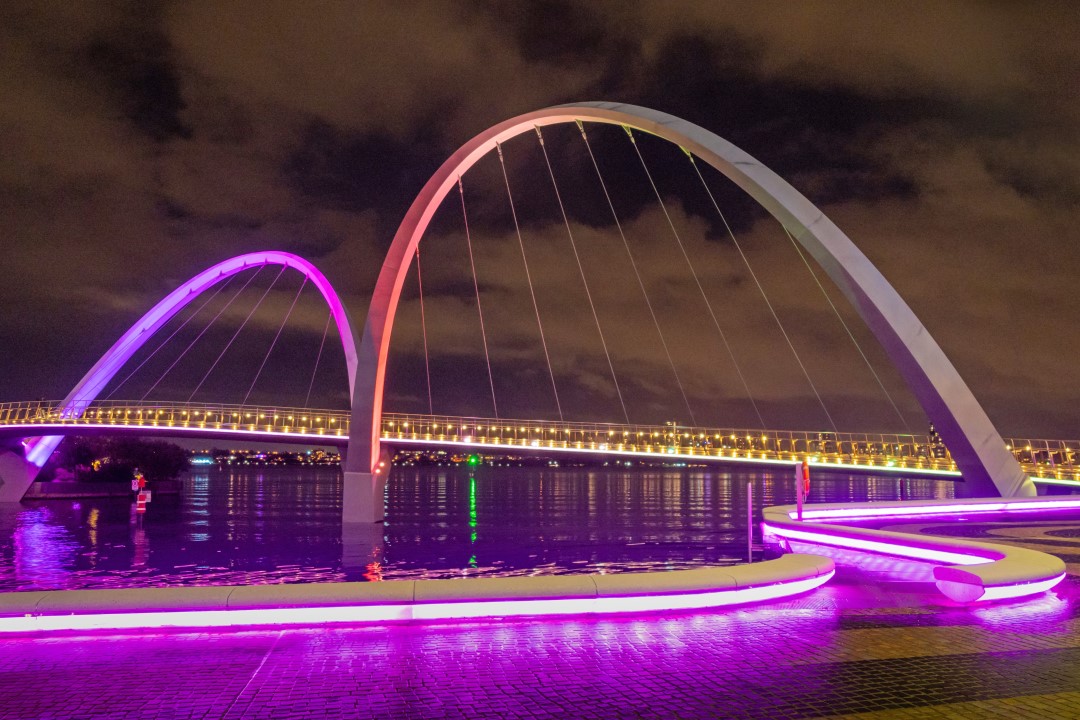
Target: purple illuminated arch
x=975, y=444
x=39, y=449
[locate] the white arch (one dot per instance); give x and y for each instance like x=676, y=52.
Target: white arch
x=975, y=444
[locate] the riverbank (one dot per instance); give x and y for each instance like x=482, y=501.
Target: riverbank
x=68, y=489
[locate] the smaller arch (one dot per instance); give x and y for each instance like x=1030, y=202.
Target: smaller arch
x=39, y=449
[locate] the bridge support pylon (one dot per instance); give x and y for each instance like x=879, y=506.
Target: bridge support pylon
x=362, y=497
x=16, y=473
x=361, y=547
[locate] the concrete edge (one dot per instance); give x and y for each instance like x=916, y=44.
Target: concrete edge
x=789, y=568
x=1001, y=566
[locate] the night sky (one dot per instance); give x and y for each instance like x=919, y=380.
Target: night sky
x=141, y=142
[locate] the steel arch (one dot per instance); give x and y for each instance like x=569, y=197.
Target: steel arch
x=39, y=449
x=975, y=444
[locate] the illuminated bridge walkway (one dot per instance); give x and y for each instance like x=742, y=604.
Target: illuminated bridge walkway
x=1047, y=461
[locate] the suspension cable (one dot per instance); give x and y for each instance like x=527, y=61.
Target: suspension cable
x=278, y=335
x=581, y=271
x=476, y=287
x=236, y=334
x=307, y=398
x=761, y=289
x=423, y=327
x=528, y=277
x=637, y=274
x=182, y=325
x=697, y=281
x=847, y=329
x=202, y=332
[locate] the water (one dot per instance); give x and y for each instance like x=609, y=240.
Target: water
x=282, y=525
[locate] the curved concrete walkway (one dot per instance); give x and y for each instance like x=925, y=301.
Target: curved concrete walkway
x=970, y=570
x=410, y=600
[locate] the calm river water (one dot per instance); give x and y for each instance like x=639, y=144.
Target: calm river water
x=274, y=525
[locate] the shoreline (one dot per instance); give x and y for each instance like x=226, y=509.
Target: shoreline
x=75, y=490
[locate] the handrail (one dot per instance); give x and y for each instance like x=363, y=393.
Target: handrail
x=1047, y=460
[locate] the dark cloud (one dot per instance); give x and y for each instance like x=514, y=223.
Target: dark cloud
x=342, y=170
x=141, y=142
x=559, y=33
x=137, y=67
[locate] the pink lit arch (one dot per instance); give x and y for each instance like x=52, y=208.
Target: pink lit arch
x=39, y=449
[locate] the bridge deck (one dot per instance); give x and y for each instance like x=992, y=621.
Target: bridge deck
x=1050, y=461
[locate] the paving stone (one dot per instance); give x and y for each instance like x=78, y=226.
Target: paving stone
x=848, y=651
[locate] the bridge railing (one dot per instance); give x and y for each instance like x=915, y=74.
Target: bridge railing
x=672, y=439
x=1048, y=459
x=250, y=418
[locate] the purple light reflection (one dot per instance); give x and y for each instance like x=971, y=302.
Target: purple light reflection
x=44, y=550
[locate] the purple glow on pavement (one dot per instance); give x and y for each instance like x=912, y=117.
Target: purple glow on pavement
x=406, y=612
x=39, y=449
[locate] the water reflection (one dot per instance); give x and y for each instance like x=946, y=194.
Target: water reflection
x=44, y=549
x=283, y=525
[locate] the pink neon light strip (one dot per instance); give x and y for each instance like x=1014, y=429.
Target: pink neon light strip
x=920, y=510
x=879, y=546
x=1001, y=592
x=406, y=612
x=1055, y=481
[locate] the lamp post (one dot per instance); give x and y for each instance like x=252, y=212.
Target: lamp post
x=673, y=433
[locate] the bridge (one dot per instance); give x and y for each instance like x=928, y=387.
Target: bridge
x=1050, y=462
x=989, y=464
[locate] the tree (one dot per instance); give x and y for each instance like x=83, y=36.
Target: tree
x=116, y=459
x=158, y=460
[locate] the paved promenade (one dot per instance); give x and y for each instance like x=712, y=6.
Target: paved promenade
x=851, y=649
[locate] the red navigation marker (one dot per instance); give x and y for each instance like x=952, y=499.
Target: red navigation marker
x=802, y=484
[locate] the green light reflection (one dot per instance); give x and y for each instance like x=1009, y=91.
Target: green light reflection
x=472, y=517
